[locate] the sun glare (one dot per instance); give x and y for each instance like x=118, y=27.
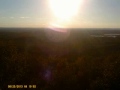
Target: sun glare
x=64, y=9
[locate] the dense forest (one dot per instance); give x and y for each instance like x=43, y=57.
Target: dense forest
x=81, y=62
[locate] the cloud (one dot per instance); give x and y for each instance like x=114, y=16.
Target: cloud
x=12, y=17
x=43, y=18
x=24, y=17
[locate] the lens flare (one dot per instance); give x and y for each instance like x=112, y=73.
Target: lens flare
x=56, y=34
x=56, y=27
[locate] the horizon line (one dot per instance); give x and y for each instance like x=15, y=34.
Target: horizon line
x=67, y=28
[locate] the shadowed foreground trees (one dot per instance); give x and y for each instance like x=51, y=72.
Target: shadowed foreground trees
x=86, y=66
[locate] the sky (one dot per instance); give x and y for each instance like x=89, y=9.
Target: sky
x=37, y=13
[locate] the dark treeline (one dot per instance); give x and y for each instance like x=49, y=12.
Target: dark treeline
x=81, y=62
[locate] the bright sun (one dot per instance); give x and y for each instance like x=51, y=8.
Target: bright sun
x=64, y=9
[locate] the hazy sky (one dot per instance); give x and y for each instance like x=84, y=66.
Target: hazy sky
x=36, y=13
